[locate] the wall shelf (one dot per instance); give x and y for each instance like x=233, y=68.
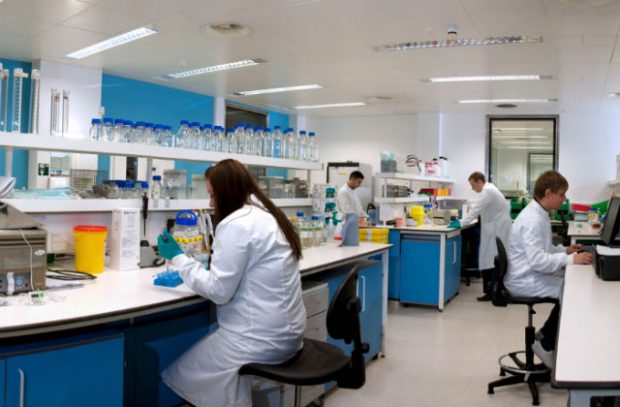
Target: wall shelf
x=449, y=198
x=107, y=205
x=614, y=183
x=49, y=143
x=413, y=177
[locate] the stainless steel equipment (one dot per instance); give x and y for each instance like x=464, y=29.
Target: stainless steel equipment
x=23, y=256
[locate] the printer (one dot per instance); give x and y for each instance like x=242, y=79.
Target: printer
x=606, y=258
x=23, y=256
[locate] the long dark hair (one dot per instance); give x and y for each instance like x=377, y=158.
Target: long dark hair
x=232, y=186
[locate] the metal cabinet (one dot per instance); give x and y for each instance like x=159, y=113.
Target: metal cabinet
x=428, y=275
x=370, y=292
x=394, y=265
x=77, y=372
x=153, y=343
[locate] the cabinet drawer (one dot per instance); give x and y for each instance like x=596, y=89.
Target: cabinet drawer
x=316, y=297
x=316, y=327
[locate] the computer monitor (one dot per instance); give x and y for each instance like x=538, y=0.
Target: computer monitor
x=609, y=234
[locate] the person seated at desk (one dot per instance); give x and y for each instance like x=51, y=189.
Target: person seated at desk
x=535, y=266
x=494, y=212
x=255, y=283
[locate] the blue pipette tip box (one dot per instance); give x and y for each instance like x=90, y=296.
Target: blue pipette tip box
x=168, y=279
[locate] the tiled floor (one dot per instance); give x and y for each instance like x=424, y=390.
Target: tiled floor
x=447, y=358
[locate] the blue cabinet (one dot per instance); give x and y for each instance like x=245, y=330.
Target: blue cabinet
x=419, y=272
x=2, y=381
x=87, y=372
x=420, y=268
x=370, y=292
x=394, y=265
x=157, y=341
x=453, y=267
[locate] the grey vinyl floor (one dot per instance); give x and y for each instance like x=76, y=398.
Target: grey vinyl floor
x=447, y=358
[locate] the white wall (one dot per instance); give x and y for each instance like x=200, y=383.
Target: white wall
x=362, y=139
x=589, y=143
x=464, y=144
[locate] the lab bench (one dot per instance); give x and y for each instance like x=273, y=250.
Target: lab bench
x=107, y=343
x=424, y=264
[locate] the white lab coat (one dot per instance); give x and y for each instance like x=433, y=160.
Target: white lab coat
x=535, y=266
x=254, y=280
x=494, y=213
x=348, y=201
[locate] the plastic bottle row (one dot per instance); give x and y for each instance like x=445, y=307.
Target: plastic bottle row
x=240, y=140
x=313, y=231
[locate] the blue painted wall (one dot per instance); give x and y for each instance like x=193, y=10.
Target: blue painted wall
x=136, y=100
x=20, y=157
x=141, y=101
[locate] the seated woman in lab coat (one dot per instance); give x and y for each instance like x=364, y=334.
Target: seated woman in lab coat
x=254, y=281
x=535, y=266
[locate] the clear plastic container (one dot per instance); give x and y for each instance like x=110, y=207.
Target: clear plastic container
x=187, y=233
x=182, y=134
x=156, y=187
x=107, y=131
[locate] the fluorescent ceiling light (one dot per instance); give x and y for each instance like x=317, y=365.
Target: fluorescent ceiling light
x=215, y=68
x=466, y=101
x=503, y=129
x=449, y=43
x=351, y=104
x=486, y=78
x=276, y=90
x=529, y=148
x=112, y=42
x=509, y=137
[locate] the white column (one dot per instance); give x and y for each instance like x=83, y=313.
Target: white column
x=219, y=111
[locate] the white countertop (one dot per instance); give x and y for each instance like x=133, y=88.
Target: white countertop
x=582, y=229
x=425, y=228
x=121, y=294
x=587, y=349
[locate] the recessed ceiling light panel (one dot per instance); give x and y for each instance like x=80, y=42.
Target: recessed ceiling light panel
x=451, y=43
x=277, y=90
x=215, y=68
x=112, y=42
x=495, y=101
x=350, y=104
x=486, y=78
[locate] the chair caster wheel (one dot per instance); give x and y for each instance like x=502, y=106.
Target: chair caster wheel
x=502, y=372
x=490, y=390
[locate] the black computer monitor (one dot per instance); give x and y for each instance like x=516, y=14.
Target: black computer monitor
x=609, y=234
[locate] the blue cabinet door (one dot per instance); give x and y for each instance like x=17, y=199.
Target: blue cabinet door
x=72, y=375
x=158, y=343
x=2, y=381
x=419, y=269
x=453, y=267
x=394, y=266
x=371, y=294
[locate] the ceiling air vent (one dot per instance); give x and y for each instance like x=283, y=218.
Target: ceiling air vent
x=227, y=29
x=506, y=106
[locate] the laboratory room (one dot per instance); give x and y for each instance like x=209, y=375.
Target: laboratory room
x=286, y=203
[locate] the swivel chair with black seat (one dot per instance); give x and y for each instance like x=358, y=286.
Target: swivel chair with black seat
x=520, y=371
x=320, y=362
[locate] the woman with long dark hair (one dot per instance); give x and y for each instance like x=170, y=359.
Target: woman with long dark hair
x=254, y=280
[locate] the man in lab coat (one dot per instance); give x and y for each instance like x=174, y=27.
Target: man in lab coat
x=347, y=199
x=494, y=213
x=535, y=266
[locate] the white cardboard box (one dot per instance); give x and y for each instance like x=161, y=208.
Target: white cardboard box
x=125, y=239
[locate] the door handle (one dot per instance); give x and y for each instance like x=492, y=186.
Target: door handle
x=363, y=280
x=22, y=387
x=454, y=255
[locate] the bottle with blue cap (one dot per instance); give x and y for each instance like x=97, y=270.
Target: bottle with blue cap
x=95, y=129
x=206, y=133
x=289, y=148
x=313, y=148
x=278, y=140
x=217, y=141
x=267, y=143
x=107, y=131
x=119, y=131
x=182, y=134
x=302, y=146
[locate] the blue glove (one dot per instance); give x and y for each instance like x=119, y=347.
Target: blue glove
x=455, y=224
x=167, y=246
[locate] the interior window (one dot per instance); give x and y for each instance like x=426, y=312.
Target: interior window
x=520, y=150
